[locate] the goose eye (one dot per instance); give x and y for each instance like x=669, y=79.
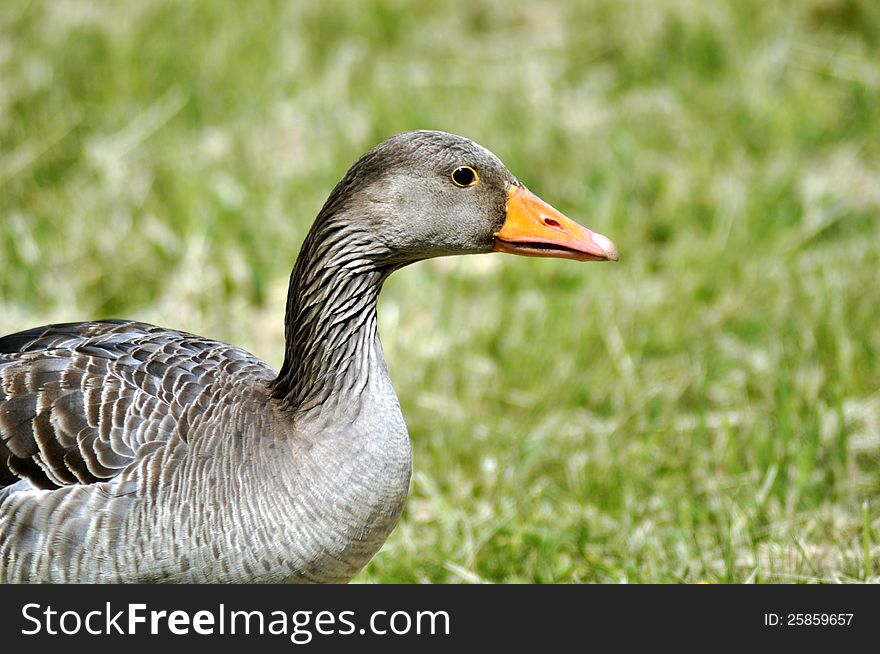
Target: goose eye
x=464, y=176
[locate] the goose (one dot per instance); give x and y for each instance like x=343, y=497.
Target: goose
x=134, y=453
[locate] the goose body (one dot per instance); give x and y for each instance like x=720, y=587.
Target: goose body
x=134, y=453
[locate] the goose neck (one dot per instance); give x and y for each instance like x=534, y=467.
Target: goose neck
x=331, y=335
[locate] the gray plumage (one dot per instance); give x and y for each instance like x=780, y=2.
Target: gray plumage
x=129, y=452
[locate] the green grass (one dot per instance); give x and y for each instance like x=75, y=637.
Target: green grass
x=708, y=409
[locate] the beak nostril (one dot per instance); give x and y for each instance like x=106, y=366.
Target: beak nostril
x=550, y=222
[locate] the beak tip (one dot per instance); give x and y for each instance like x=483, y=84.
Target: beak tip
x=607, y=246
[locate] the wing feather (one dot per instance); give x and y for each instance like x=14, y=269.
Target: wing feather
x=80, y=402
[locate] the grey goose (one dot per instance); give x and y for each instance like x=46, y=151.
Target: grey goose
x=134, y=453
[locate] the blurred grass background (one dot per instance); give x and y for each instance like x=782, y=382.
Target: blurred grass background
x=708, y=409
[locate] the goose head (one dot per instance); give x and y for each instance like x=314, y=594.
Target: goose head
x=425, y=194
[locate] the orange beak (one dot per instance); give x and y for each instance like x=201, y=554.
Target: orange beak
x=535, y=229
